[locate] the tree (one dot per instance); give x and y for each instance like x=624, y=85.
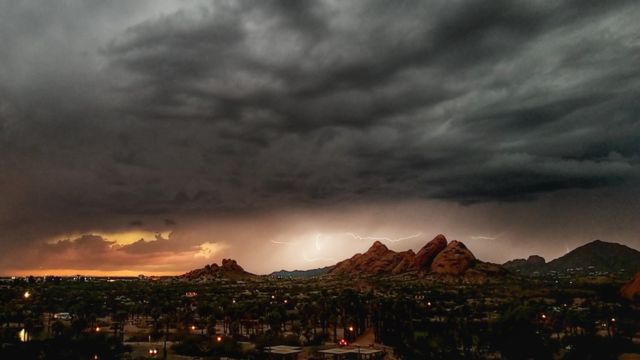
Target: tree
x=274, y=319
x=57, y=328
x=520, y=337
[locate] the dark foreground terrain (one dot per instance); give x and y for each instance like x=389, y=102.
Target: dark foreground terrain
x=509, y=317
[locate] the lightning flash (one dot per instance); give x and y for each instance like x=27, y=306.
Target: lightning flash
x=358, y=237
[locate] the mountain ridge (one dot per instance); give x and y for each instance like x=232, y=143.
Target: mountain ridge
x=302, y=274
x=595, y=256
x=228, y=270
x=436, y=258
x=442, y=258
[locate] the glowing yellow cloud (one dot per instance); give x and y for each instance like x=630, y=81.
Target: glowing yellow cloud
x=209, y=249
x=120, y=238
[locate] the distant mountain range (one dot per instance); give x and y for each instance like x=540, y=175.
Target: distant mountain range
x=437, y=258
x=595, y=257
x=441, y=258
x=301, y=274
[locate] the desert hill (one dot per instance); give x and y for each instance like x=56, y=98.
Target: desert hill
x=596, y=256
x=229, y=270
x=301, y=274
x=531, y=264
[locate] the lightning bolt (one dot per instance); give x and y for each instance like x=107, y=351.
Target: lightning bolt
x=317, y=242
x=486, y=237
x=383, y=238
x=283, y=242
x=480, y=237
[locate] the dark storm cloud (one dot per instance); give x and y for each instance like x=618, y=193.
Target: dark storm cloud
x=420, y=76
x=125, y=110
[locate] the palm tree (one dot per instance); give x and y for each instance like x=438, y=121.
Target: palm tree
x=57, y=328
x=211, y=324
x=168, y=319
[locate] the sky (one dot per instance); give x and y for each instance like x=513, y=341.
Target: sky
x=158, y=136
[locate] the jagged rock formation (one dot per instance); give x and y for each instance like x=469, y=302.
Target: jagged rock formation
x=531, y=264
x=229, y=270
x=425, y=256
x=455, y=259
x=451, y=261
x=631, y=290
x=436, y=258
x=377, y=260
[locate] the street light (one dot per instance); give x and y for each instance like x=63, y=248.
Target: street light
x=218, y=338
x=26, y=294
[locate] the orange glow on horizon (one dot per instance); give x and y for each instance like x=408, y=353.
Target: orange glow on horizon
x=89, y=272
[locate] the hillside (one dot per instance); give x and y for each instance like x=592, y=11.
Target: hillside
x=595, y=257
x=229, y=270
x=526, y=266
x=301, y=274
x=603, y=256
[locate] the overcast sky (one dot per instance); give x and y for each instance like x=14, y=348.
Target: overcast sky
x=290, y=134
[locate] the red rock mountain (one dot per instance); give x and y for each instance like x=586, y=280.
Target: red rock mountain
x=455, y=259
x=631, y=290
x=436, y=257
x=377, y=260
x=425, y=256
x=229, y=270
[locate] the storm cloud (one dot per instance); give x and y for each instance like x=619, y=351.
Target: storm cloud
x=123, y=112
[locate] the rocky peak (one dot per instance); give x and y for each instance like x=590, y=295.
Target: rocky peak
x=536, y=260
x=425, y=256
x=378, y=247
x=230, y=264
x=377, y=260
x=455, y=259
x=530, y=264
x=229, y=269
